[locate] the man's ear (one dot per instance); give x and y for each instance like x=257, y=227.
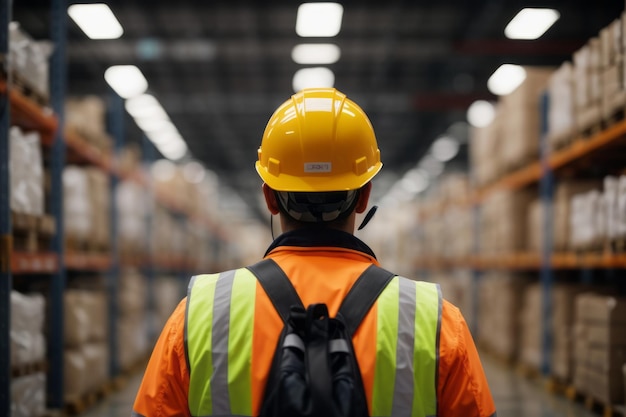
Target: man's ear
x=270, y=199
x=364, y=197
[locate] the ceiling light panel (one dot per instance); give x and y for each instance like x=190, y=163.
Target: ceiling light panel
x=313, y=78
x=315, y=54
x=506, y=79
x=531, y=24
x=127, y=80
x=319, y=19
x=96, y=20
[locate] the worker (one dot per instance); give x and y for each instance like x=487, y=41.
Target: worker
x=417, y=358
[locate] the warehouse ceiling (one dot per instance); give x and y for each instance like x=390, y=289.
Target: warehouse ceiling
x=221, y=68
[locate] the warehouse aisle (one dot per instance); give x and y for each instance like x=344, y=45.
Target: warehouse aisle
x=515, y=396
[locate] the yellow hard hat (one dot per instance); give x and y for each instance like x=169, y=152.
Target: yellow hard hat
x=318, y=140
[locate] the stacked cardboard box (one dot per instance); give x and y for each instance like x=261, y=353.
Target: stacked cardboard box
x=485, y=147
x=87, y=117
x=457, y=286
x=86, y=355
x=500, y=301
x=562, y=126
x=503, y=224
x=612, y=72
x=600, y=346
x=561, y=206
x=520, y=111
x=168, y=292
x=132, y=321
x=531, y=317
x=132, y=216
x=86, y=208
x=588, y=86
x=563, y=319
x=597, y=218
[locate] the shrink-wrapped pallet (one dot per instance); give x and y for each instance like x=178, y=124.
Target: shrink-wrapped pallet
x=132, y=212
x=28, y=343
x=99, y=195
x=77, y=209
x=531, y=319
x=28, y=395
x=29, y=62
x=588, y=94
x=26, y=172
x=167, y=294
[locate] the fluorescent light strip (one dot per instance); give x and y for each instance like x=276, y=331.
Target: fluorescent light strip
x=313, y=77
x=319, y=19
x=96, y=20
x=531, y=23
x=506, y=79
x=126, y=80
x=315, y=53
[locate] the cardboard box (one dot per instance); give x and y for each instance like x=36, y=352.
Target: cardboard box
x=607, y=387
x=603, y=309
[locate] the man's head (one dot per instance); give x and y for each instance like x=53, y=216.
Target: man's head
x=317, y=157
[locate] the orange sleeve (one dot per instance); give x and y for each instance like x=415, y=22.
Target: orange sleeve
x=462, y=387
x=165, y=386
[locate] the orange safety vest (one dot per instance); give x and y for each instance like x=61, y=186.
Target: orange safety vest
x=416, y=355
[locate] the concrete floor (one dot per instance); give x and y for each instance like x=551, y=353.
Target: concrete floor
x=514, y=395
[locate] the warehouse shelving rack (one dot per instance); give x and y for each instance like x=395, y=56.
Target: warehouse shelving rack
x=541, y=173
x=63, y=144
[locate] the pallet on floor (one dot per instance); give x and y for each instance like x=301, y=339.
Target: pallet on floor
x=593, y=404
x=80, y=404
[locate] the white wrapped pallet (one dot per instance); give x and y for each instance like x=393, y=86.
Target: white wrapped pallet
x=132, y=210
x=28, y=395
x=588, y=95
x=28, y=343
x=29, y=60
x=26, y=172
x=561, y=116
x=77, y=209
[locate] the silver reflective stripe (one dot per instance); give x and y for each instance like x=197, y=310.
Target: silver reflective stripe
x=293, y=340
x=439, y=311
x=404, y=384
x=338, y=345
x=219, y=348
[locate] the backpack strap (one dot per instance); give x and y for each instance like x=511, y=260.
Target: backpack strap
x=277, y=286
x=362, y=296
x=353, y=308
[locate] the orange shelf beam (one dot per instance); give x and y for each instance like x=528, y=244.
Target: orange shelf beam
x=88, y=261
x=34, y=263
x=29, y=115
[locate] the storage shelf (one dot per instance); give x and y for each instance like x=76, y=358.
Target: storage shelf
x=34, y=263
x=580, y=149
x=526, y=261
x=28, y=115
x=88, y=261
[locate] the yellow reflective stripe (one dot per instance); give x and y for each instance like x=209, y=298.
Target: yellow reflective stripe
x=219, y=327
x=427, y=313
x=386, y=342
x=240, y=343
x=200, y=360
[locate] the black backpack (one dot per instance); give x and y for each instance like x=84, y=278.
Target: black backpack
x=314, y=372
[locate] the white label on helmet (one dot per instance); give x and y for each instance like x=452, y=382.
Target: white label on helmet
x=318, y=104
x=318, y=167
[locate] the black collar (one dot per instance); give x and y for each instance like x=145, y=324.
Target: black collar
x=321, y=237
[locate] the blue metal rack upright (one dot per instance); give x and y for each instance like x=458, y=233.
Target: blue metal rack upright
x=116, y=128
x=546, y=189
x=5, y=223
x=58, y=35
